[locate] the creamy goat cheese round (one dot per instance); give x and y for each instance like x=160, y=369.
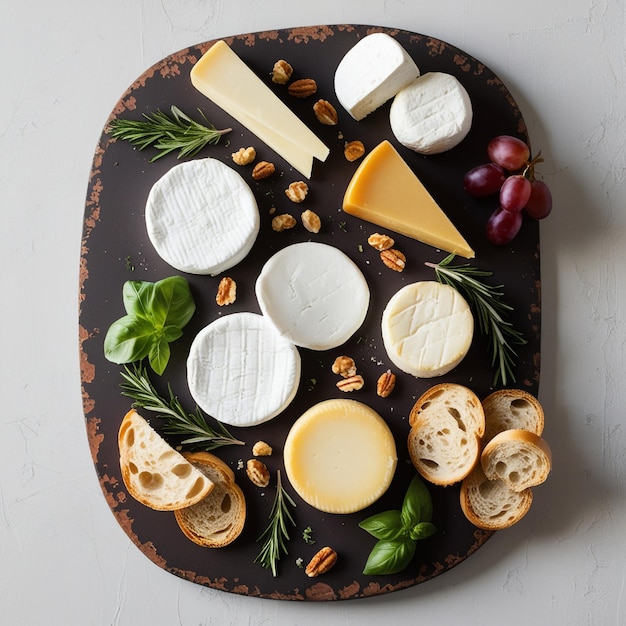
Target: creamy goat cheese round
x=427, y=329
x=202, y=217
x=241, y=371
x=340, y=456
x=432, y=114
x=314, y=295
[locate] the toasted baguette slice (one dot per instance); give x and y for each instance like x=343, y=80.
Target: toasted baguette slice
x=447, y=423
x=154, y=473
x=490, y=504
x=218, y=519
x=519, y=458
x=508, y=409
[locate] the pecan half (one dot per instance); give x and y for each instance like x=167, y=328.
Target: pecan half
x=393, y=259
x=385, y=384
x=321, y=562
x=281, y=72
x=325, y=113
x=226, y=291
x=297, y=191
x=263, y=169
x=302, y=88
x=354, y=150
x=352, y=383
x=258, y=473
x=380, y=242
x=311, y=221
x=284, y=221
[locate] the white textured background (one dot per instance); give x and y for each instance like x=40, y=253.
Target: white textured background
x=63, y=558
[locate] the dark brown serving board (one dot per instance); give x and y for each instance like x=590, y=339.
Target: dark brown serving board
x=115, y=248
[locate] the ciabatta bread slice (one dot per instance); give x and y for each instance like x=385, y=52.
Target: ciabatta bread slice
x=491, y=504
x=447, y=423
x=518, y=458
x=154, y=473
x=508, y=409
x=218, y=519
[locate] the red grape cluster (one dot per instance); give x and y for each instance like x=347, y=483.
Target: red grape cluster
x=511, y=174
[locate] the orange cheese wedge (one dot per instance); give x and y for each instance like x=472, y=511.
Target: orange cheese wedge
x=385, y=191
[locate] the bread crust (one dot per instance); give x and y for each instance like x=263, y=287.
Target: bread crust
x=198, y=522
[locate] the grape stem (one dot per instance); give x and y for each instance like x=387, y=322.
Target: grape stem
x=529, y=170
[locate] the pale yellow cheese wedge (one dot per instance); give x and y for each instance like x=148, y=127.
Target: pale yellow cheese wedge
x=385, y=191
x=226, y=80
x=340, y=456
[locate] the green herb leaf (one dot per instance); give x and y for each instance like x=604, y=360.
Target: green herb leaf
x=422, y=530
x=389, y=557
x=156, y=315
x=417, y=505
x=193, y=426
x=167, y=134
x=387, y=525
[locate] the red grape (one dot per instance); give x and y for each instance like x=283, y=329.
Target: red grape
x=483, y=180
x=539, y=204
x=514, y=193
x=508, y=152
x=502, y=226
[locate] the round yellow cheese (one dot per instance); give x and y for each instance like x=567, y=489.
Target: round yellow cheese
x=340, y=456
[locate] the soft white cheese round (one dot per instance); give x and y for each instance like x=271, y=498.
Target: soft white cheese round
x=372, y=72
x=241, y=371
x=202, y=217
x=313, y=294
x=427, y=329
x=432, y=114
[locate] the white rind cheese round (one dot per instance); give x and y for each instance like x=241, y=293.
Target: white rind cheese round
x=432, y=114
x=372, y=72
x=340, y=456
x=241, y=371
x=202, y=217
x=313, y=294
x=427, y=329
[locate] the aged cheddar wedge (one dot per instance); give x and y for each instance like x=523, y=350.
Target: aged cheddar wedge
x=340, y=456
x=226, y=80
x=385, y=191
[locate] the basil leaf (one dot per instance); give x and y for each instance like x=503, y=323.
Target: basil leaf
x=171, y=302
x=422, y=531
x=389, y=557
x=136, y=294
x=417, y=506
x=159, y=354
x=386, y=525
x=172, y=333
x=128, y=339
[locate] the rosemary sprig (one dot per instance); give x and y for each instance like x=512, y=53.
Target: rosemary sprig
x=167, y=134
x=490, y=310
x=193, y=426
x=276, y=534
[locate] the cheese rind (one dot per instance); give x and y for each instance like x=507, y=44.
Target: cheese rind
x=340, y=456
x=371, y=73
x=313, y=294
x=202, y=217
x=385, y=191
x=226, y=80
x=427, y=329
x=432, y=114
x=240, y=371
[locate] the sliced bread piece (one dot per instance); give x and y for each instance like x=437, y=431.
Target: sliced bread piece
x=218, y=519
x=519, y=458
x=491, y=504
x=447, y=423
x=507, y=409
x=154, y=473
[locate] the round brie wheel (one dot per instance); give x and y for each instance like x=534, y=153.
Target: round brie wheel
x=202, y=217
x=432, y=114
x=314, y=294
x=340, y=456
x=241, y=371
x=427, y=329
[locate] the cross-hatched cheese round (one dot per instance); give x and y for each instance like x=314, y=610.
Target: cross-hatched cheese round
x=241, y=371
x=202, y=217
x=371, y=73
x=314, y=294
x=427, y=329
x=432, y=114
x=340, y=456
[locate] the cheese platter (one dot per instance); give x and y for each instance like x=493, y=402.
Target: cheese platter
x=117, y=247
